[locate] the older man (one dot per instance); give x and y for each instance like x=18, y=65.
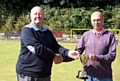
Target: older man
x=99, y=44
x=38, y=50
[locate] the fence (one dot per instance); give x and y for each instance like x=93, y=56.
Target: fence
x=9, y=36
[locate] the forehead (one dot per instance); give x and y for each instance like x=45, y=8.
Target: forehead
x=96, y=16
x=36, y=10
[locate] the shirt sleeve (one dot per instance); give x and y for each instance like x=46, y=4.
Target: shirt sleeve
x=111, y=51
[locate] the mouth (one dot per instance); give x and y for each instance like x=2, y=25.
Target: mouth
x=37, y=21
x=96, y=25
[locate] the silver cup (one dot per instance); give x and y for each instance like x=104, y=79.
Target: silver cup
x=81, y=73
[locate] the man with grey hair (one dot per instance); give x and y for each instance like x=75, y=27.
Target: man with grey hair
x=100, y=47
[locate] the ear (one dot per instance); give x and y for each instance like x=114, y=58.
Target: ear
x=102, y=20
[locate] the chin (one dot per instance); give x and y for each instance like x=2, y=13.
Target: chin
x=96, y=28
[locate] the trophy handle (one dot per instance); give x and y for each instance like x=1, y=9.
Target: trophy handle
x=78, y=74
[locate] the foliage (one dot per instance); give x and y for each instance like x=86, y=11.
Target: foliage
x=9, y=24
x=61, y=15
x=67, y=18
x=22, y=20
x=116, y=17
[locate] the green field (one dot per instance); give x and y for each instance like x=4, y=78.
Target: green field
x=60, y=72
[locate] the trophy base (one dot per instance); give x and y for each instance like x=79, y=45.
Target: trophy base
x=81, y=77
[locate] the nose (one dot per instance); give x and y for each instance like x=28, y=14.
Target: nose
x=96, y=21
x=37, y=15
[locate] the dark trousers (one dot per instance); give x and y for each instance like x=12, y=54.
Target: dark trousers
x=21, y=77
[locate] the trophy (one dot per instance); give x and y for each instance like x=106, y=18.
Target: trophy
x=82, y=74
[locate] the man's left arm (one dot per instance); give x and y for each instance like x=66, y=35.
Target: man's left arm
x=110, y=57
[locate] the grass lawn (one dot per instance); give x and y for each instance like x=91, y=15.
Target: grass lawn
x=66, y=71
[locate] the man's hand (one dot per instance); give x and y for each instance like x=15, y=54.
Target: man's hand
x=58, y=59
x=73, y=54
x=93, y=57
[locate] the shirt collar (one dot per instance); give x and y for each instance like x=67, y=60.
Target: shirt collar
x=36, y=28
x=99, y=33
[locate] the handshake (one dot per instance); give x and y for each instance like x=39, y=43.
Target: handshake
x=71, y=54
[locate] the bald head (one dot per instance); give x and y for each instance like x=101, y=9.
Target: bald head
x=36, y=8
x=96, y=13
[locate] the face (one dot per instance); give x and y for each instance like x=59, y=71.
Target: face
x=97, y=21
x=36, y=15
